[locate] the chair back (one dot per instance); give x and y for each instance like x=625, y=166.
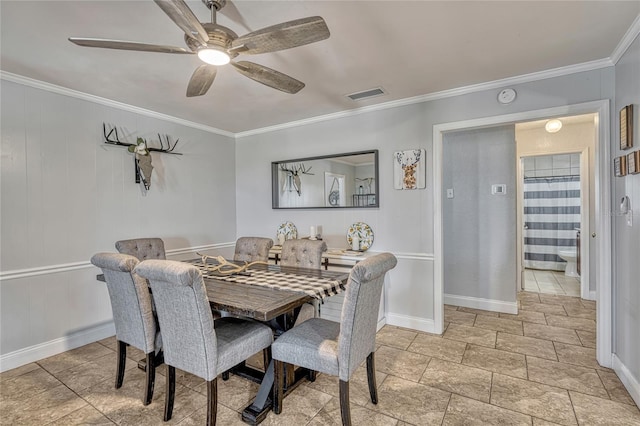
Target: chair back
x=359, y=318
x=303, y=253
x=251, y=249
x=188, y=336
x=130, y=300
x=142, y=248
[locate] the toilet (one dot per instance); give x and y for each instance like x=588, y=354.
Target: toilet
x=570, y=255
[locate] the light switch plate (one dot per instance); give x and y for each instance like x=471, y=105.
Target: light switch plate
x=498, y=189
x=450, y=193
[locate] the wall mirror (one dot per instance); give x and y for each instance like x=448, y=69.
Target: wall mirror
x=347, y=180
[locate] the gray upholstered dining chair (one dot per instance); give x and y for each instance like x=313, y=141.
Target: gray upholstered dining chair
x=192, y=341
x=303, y=254
x=142, y=248
x=338, y=348
x=251, y=249
x=132, y=314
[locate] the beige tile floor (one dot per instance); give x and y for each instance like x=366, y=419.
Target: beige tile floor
x=551, y=282
x=534, y=368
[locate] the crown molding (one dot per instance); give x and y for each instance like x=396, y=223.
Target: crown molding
x=15, y=78
x=525, y=78
x=626, y=41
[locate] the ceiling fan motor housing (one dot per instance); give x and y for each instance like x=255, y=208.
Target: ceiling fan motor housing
x=217, y=4
x=219, y=36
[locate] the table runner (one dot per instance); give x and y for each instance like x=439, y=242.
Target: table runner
x=314, y=286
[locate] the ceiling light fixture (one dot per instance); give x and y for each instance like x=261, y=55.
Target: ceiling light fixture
x=553, y=126
x=213, y=56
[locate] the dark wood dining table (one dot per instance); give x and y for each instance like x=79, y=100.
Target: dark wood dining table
x=272, y=294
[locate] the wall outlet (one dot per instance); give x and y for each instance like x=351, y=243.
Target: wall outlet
x=450, y=193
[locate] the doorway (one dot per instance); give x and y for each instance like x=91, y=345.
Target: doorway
x=551, y=218
x=602, y=201
x=557, y=190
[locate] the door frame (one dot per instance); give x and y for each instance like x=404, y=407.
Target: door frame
x=585, y=228
x=602, y=195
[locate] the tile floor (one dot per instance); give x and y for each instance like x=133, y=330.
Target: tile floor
x=551, y=282
x=534, y=368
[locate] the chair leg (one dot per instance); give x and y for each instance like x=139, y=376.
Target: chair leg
x=171, y=392
x=225, y=375
x=212, y=401
x=371, y=377
x=150, y=378
x=311, y=375
x=278, y=385
x=266, y=357
x=345, y=409
x=122, y=359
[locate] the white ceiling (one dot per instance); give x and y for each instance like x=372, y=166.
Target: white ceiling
x=410, y=48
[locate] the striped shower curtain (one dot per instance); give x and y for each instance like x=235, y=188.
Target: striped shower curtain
x=551, y=216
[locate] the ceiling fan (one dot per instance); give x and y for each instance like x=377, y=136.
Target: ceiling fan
x=216, y=45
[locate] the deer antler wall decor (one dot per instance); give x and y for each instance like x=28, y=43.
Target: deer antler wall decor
x=114, y=131
x=293, y=177
x=141, y=149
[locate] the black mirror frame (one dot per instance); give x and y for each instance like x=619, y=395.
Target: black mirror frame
x=275, y=187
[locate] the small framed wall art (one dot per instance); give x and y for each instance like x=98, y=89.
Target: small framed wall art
x=620, y=166
x=633, y=162
x=626, y=127
x=409, y=170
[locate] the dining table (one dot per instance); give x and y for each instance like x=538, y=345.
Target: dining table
x=272, y=294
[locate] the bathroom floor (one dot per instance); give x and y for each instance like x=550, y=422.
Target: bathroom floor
x=551, y=282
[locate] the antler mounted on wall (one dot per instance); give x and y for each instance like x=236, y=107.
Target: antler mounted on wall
x=114, y=131
x=142, y=159
x=293, y=176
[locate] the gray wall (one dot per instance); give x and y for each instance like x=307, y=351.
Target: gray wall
x=479, y=232
x=626, y=244
x=66, y=196
x=404, y=222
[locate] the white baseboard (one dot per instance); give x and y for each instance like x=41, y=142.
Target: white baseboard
x=479, y=303
x=631, y=383
x=54, y=347
x=381, y=323
x=414, y=323
x=592, y=295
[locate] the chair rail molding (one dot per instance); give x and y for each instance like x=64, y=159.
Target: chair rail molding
x=64, y=267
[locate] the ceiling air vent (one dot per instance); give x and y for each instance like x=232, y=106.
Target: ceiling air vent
x=366, y=94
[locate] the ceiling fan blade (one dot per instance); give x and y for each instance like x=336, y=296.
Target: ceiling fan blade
x=180, y=13
x=231, y=12
x=126, y=45
x=283, y=36
x=201, y=80
x=268, y=77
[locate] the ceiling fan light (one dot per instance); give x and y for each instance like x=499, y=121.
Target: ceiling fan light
x=213, y=56
x=553, y=126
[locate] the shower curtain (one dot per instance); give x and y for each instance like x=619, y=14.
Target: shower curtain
x=551, y=217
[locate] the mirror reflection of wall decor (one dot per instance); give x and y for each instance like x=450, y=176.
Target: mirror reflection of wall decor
x=620, y=166
x=334, y=189
x=626, y=127
x=330, y=181
x=409, y=170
